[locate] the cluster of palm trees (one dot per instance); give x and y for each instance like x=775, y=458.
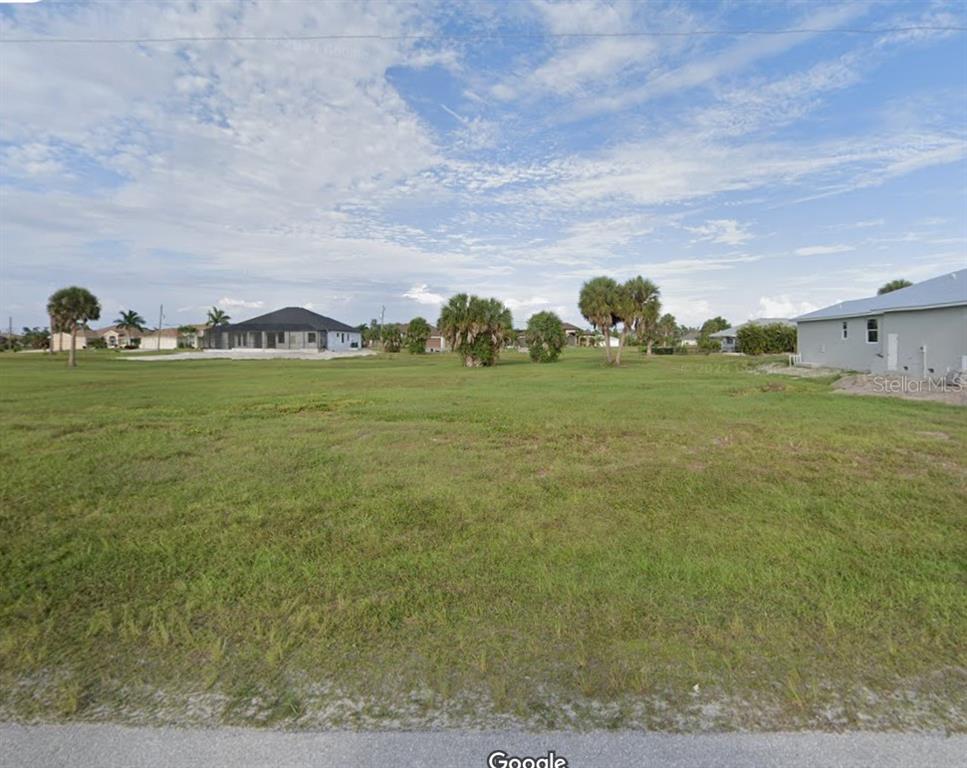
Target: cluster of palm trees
x=634, y=304
x=476, y=328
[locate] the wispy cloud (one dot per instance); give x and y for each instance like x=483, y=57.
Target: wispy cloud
x=823, y=250
x=727, y=231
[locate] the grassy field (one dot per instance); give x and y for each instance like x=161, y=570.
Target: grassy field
x=398, y=541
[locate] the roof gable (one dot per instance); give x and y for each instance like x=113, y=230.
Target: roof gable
x=948, y=290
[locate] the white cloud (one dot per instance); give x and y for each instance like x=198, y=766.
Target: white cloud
x=782, y=306
x=228, y=303
x=727, y=231
x=422, y=295
x=823, y=250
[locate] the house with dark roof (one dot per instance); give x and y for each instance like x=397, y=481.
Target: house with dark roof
x=729, y=338
x=918, y=331
x=288, y=328
x=572, y=334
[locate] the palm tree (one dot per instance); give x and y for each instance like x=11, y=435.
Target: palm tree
x=668, y=331
x=69, y=309
x=217, y=316
x=476, y=328
x=893, y=285
x=639, y=310
x=130, y=322
x=596, y=303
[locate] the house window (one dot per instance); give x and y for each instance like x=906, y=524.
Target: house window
x=872, y=331
x=311, y=337
x=280, y=337
x=845, y=330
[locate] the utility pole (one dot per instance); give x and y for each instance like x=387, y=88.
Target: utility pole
x=161, y=319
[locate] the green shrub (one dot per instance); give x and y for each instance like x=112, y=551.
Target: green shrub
x=707, y=345
x=766, y=339
x=545, y=337
x=96, y=344
x=417, y=334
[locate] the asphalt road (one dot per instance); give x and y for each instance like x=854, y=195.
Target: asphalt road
x=110, y=746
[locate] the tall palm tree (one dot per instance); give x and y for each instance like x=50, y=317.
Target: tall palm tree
x=596, y=303
x=646, y=304
x=476, y=328
x=130, y=322
x=217, y=316
x=69, y=309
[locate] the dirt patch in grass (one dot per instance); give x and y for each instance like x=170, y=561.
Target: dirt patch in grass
x=905, y=388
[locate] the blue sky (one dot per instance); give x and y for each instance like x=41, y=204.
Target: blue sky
x=512, y=150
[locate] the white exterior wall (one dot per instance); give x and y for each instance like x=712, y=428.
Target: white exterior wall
x=62, y=342
x=150, y=343
x=342, y=340
x=942, y=331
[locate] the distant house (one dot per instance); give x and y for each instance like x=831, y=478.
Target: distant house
x=118, y=338
x=920, y=330
x=572, y=334
x=729, y=338
x=288, y=328
x=195, y=337
x=166, y=338
x=61, y=342
x=690, y=339
x=435, y=342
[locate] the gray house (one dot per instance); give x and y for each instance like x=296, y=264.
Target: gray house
x=729, y=338
x=917, y=331
x=289, y=328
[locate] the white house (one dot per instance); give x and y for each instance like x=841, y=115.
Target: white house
x=919, y=331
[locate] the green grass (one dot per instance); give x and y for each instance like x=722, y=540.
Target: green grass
x=399, y=540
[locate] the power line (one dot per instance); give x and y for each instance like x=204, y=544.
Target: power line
x=485, y=36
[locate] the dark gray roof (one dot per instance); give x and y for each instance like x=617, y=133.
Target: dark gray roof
x=945, y=291
x=289, y=319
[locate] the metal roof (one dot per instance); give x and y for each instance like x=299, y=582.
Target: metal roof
x=945, y=291
x=289, y=319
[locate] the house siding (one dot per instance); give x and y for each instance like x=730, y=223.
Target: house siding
x=942, y=331
x=342, y=340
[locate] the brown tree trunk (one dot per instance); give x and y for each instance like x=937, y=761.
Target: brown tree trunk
x=50, y=346
x=607, y=344
x=71, y=362
x=621, y=346
x=650, y=342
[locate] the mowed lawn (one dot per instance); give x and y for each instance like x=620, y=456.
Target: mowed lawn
x=679, y=543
